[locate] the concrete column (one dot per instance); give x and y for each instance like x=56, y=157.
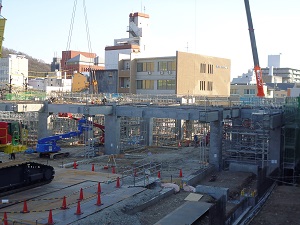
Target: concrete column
x=112, y=134
x=179, y=128
x=274, y=150
x=147, y=131
x=43, y=118
x=215, y=151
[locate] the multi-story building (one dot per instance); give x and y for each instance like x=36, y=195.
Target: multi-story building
x=137, y=42
x=75, y=61
x=288, y=75
x=14, y=71
x=183, y=74
x=52, y=82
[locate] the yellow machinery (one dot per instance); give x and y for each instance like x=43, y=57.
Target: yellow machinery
x=12, y=136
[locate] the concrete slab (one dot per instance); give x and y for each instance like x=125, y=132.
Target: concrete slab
x=186, y=214
x=68, y=183
x=193, y=197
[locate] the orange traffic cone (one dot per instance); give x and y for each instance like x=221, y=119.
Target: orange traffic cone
x=99, y=188
x=5, y=219
x=78, y=211
x=50, y=219
x=64, y=204
x=93, y=167
x=81, y=195
x=75, y=165
x=180, y=173
x=113, y=169
x=25, y=210
x=158, y=174
x=118, y=182
x=98, y=200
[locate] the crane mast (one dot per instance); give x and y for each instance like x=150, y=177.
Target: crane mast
x=257, y=69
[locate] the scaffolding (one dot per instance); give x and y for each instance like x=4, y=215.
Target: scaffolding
x=246, y=140
x=132, y=133
x=165, y=132
x=291, y=136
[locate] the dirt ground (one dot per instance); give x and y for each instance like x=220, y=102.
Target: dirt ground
x=173, y=159
x=282, y=207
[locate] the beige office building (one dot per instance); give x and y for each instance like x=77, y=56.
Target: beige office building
x=183, y=74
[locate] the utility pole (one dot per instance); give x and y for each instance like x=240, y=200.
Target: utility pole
x=10, y=86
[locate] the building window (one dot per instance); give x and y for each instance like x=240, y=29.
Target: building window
x=233, y=91
x=209, y=85
x=145, y=84
x=162, y=66
x=202, y=68
x=210, y=69
x=202, y=85
x=166, y=84
x=145, y=66
x=249, y=92
x=166, y=66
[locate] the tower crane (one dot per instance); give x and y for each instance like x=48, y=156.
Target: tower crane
x=257, y=69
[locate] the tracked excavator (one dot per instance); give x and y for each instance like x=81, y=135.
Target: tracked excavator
x=18, y=175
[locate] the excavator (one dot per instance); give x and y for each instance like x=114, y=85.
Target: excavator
x=47, y=147
x=257, y=69
x=17, y=175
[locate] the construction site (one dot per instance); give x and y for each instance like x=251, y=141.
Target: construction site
x=154, y=160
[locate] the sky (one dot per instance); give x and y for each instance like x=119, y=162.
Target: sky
x=214, y=28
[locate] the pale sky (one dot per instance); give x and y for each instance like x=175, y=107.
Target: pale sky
x=219, y=28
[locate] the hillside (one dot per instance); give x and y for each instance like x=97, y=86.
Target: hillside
x=36, y=67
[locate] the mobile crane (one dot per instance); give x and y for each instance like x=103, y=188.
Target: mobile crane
x=257, y=69
x=47, y=147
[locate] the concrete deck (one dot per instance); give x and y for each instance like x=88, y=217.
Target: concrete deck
x=68, y=183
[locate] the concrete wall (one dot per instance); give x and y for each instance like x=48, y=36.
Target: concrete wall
x=239, y=167
x=189, y=75
x=216, y=192
x=107, y=81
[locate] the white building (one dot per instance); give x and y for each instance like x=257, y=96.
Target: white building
x=246, y=78
x=137, y=42
x=14, y=70
x=51, y=83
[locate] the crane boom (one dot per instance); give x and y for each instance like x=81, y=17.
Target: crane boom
x=257, y=69
x=2, y=27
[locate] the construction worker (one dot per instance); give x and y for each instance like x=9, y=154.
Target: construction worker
x=196, y=140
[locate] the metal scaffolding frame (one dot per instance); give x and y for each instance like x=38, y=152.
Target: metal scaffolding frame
x=291, y=138
x=132, y=133
x=247, y=140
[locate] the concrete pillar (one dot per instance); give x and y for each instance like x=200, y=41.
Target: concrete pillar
x=215, y=151
x=43, y=118
x=179, y=128
x=274, y=150
x=112, y=134
x=147, y=131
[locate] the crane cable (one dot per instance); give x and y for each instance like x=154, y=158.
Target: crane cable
x=87, y=28
x=93, y=79
x=71, y=26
